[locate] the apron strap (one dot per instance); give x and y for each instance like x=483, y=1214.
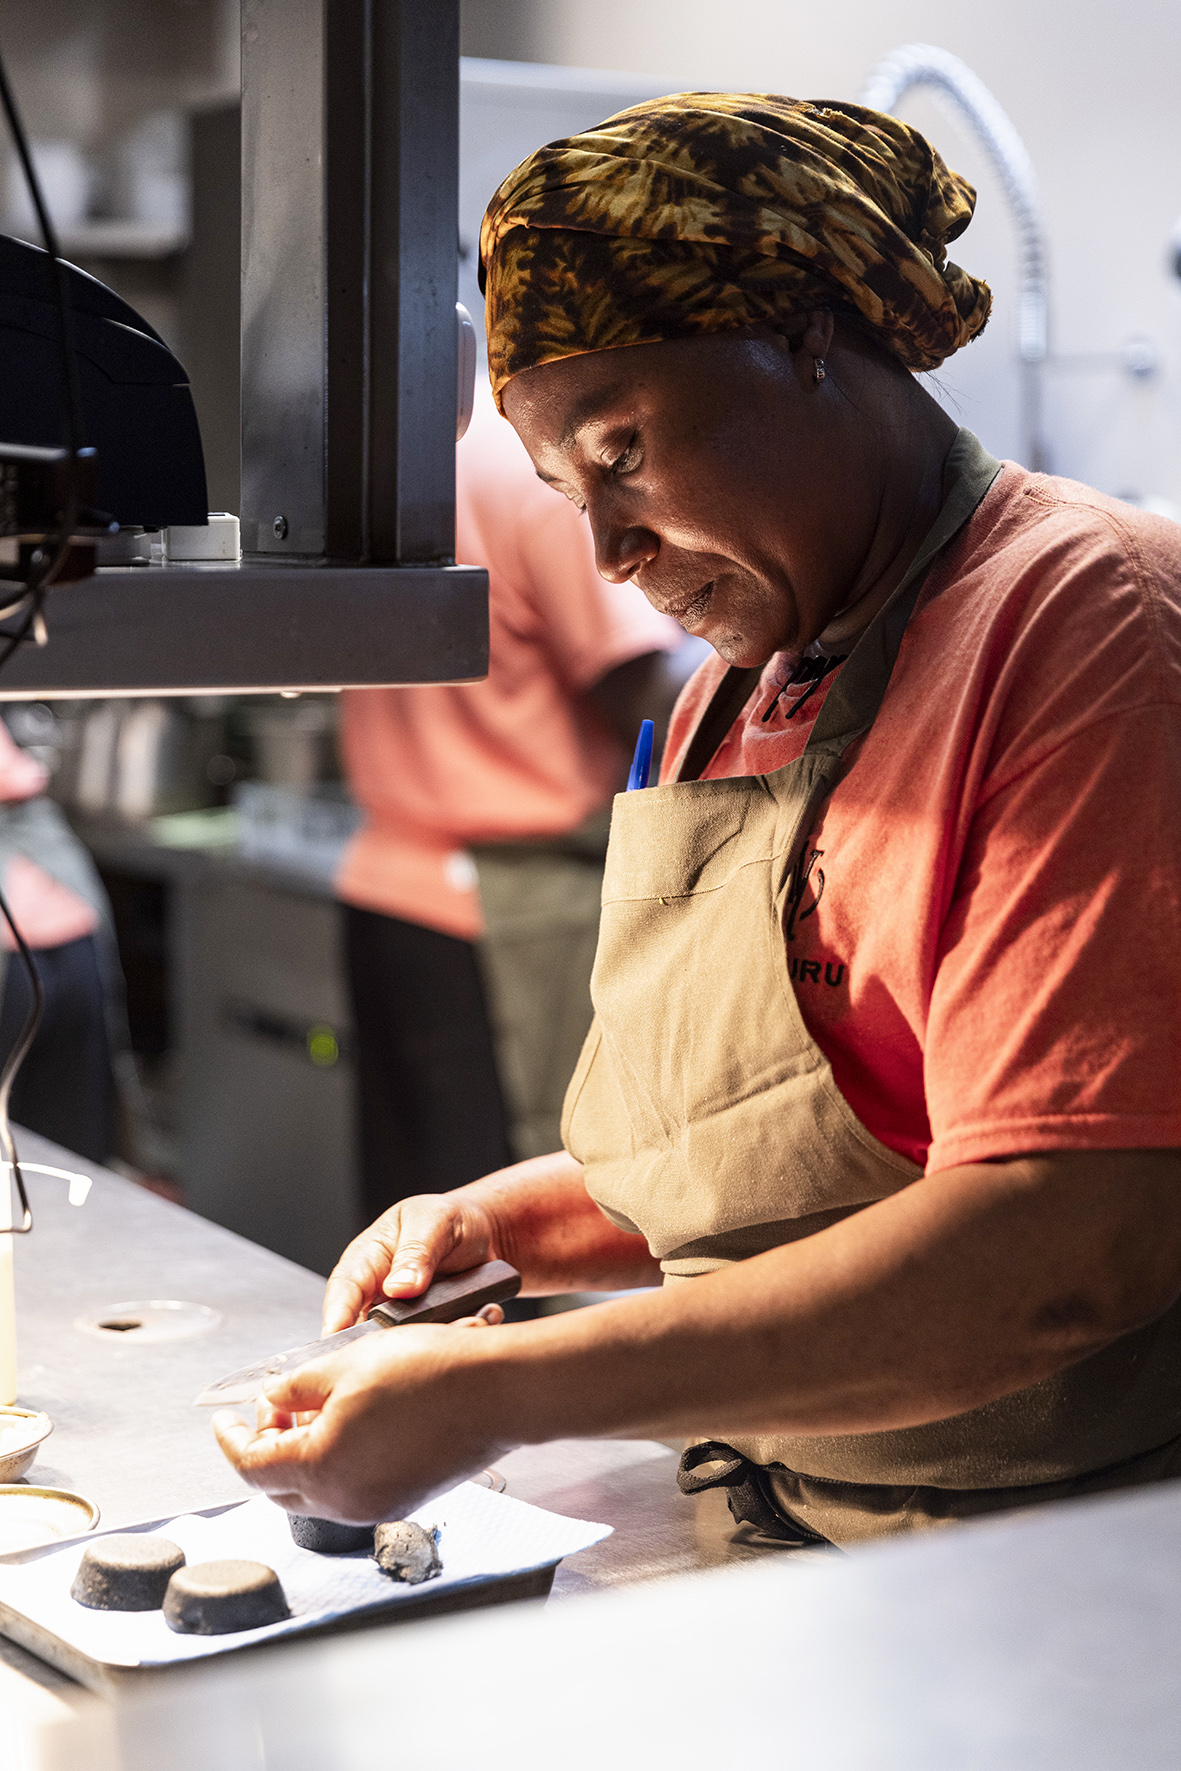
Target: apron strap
x=858, y=690
x=745, y=1496
x=726, y=703
x=709, y=1451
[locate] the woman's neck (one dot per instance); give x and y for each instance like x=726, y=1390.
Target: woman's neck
x=913, y=493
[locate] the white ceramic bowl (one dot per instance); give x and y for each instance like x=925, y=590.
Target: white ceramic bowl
x=17, y=1454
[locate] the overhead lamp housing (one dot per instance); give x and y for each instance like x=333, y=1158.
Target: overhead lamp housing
x=349, y=373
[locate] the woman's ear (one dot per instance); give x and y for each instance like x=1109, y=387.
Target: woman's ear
x=816, y=337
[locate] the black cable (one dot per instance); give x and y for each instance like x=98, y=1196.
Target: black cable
x=55, y=556
x=12, y=1064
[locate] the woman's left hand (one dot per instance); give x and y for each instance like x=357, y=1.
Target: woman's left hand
x=370, y=1432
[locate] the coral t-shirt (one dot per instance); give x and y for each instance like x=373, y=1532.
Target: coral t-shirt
x=47, y=913
x=523, y=754
x=988, y=943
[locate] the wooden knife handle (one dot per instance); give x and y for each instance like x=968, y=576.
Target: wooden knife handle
x=454, y=1295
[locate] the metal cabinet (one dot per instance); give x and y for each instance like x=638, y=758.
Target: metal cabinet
x=266, y=1091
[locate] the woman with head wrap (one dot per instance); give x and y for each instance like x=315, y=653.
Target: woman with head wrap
x=883, y=1078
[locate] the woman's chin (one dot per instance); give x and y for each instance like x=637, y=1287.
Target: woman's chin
x=738, y=649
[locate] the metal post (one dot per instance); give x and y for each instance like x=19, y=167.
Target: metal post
x=349, y=198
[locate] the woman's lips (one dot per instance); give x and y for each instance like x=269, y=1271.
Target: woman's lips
x=689, y=613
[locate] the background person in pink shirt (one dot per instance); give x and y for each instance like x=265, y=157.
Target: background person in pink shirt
x=485, y=823
x=65, y=1089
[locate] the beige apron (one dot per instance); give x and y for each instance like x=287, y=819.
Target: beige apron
x=708, y=1119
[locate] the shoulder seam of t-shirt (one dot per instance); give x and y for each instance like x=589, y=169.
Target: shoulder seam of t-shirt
x=989, y=791
x=1144, y=576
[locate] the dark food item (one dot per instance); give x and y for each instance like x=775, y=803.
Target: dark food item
x=327, y=1537
x=217, y=1598
x=126, y=1572
x=407, y=1551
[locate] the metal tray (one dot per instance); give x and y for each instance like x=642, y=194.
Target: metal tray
x=107, y=1675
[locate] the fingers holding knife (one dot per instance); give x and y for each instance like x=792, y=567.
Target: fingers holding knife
x=397, y=1257
x=289, y=1434
x=370, y=1431
x=291, y=1400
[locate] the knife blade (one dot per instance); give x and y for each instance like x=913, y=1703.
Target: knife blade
x=448, y=1298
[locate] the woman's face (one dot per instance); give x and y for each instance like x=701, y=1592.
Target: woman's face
x=736, y=490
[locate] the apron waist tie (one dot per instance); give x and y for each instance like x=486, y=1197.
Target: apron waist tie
x=746, y=1494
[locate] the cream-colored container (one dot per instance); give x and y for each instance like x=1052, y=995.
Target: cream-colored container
x=16, y=1454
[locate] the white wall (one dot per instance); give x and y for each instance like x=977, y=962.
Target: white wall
x=90, y=69
x=1092, y=87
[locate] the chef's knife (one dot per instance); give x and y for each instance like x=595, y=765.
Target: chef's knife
x=457, y=1294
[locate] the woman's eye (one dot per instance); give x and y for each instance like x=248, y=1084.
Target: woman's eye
x=629, y=460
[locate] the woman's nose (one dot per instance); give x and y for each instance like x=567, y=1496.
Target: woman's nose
x=620, y=551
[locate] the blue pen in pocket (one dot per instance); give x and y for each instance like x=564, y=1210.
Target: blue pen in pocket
x=642, y=761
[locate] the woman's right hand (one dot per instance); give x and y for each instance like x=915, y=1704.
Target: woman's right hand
x=536, y=1214
x=400, y=1254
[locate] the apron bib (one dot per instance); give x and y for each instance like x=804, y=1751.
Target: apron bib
x=708, y=1119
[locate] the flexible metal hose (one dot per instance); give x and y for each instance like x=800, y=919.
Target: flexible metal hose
x=921, y=64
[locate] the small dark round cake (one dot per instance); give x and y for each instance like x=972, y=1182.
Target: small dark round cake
x=217, y=1598
x=327, y=1537
x=406, y=1551
x=126, y=1572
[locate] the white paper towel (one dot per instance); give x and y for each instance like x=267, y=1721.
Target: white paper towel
x=481, y=1535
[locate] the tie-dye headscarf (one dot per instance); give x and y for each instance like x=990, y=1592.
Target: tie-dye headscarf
x=709, y=211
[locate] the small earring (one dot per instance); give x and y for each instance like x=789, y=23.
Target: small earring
x=818, y=371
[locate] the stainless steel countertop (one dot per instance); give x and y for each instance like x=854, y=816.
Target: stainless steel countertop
x=1045, y=1641
x=126, y=1433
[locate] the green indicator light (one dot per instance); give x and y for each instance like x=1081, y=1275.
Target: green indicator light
x=323, y=1048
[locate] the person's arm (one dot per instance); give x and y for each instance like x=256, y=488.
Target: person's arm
x=21, y=775
x=646, y=688
x=536, y=1215
x=964, y=1287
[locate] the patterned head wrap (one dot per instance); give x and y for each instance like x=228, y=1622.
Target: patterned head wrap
x=708, y=211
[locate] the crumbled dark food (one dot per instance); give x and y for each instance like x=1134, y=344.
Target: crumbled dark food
x=127, y=1571
x=407, y=1551
x=217, y=1598
x=327, y=1537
